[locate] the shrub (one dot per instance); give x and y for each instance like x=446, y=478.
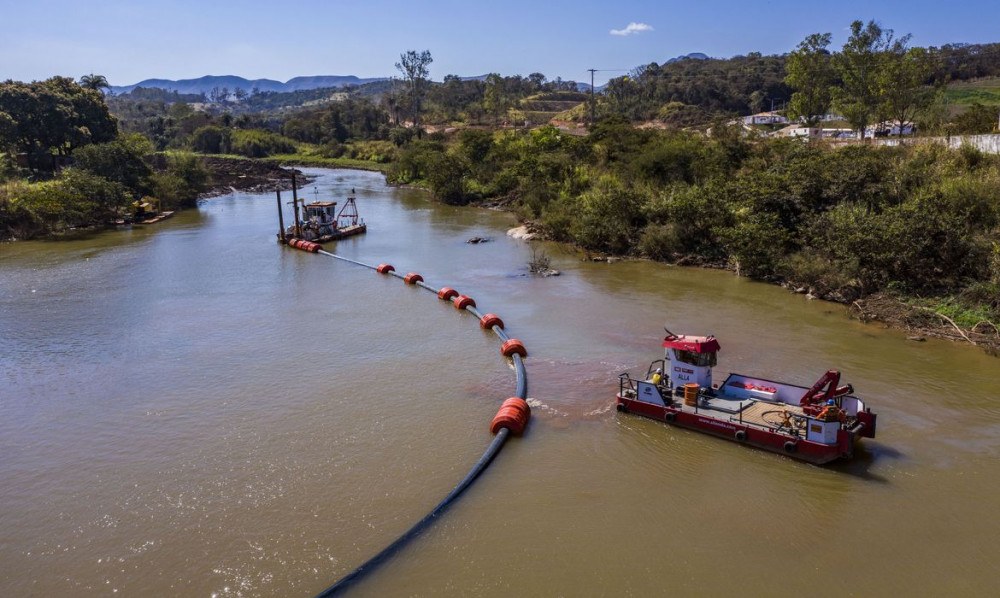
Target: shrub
x=414, y=162
x=332, y=149
x=120, y=161
x=211, y=139
x=661, y=241
x=180, y=184
x=76, y=198
x=609, y=216
x=696, y=212
x=381, y=152
x=254, y=143
x=812, y=268
x=756, y=243
x=446, y=178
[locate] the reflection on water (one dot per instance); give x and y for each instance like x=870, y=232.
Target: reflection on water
x=190, y=409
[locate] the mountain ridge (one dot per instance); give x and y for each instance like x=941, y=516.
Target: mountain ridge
x=207, y=83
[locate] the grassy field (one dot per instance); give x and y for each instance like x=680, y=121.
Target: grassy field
x=983, y=91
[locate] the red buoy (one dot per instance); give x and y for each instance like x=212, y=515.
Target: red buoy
x=446, y=293
x=490, y=320
x=304, y=245
x=463, y=301
x=384, y=269
x=513, y=346
x=513, y=415
x=413, y=278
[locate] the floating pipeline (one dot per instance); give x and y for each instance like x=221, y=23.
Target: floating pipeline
x=304, y=245
x=511, y=418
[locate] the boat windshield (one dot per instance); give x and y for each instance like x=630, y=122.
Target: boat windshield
x=696, y=359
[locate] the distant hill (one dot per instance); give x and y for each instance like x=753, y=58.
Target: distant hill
x=691, y=56
x=208, y=83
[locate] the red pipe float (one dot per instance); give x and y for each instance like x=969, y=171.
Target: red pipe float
x=489, y=321
x=463, y=301
x=305, y=245
x=446, y=293
x=513, y=346
x=385, y=268
x=413, y=278
x=513, y=415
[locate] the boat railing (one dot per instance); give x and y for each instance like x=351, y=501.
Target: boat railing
x=626, y=385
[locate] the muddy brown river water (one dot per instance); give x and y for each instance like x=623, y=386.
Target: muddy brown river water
x=190, y=409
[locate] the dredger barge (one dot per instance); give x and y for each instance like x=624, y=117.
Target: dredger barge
x=321, y=222
x=818, y=424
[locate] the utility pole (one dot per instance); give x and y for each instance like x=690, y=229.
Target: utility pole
x=592, y=102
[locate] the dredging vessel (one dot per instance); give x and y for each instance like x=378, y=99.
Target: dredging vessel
x=818, y=424
x=321, y=222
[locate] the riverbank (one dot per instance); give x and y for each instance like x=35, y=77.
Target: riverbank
x=234, y=173
x=28, y=212
x=895, y=312
x=921, y=322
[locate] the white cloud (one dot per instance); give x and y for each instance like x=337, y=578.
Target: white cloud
x=632, y=29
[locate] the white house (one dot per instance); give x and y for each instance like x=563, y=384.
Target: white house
x=765, y=118
x=889, y=128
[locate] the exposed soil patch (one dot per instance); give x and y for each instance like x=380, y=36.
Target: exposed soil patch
x=922, y=322
x=253, y=176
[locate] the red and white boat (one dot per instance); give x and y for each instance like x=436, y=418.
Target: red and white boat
x=819, y=424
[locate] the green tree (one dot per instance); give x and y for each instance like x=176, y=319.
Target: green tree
x=52, y=116
x=415, y=69
x=861, y=66
x=95, y=82
x=211, y=139
x=120, y=161
x=608, y=216
x=181, y=182
x=904, y=89
x=810, y=71
x=496, y=101
x=975, y=120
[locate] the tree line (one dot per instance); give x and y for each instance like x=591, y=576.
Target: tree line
x=845, y=223
x=64, y=162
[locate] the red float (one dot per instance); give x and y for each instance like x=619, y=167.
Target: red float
x=463, y=301
x=513, y=346
x=488, y=321
x=513, y=415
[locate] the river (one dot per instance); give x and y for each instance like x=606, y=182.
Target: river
x=191, y=409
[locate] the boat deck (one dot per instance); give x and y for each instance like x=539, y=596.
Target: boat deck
x=746, y=411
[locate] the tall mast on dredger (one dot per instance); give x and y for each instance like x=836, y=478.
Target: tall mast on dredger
x=295, y=202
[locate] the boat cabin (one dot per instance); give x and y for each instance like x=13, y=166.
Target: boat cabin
x=690, y=359
x=321, y=212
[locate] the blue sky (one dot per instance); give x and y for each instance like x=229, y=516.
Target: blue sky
x=130, y=41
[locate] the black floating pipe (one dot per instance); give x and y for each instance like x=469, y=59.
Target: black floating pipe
x=346, y=581
x=491, y=451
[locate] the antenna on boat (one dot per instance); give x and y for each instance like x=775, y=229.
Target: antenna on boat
x=667, y=330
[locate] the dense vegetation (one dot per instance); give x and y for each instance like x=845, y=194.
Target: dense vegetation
x=67, y=165
x=846, y=222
